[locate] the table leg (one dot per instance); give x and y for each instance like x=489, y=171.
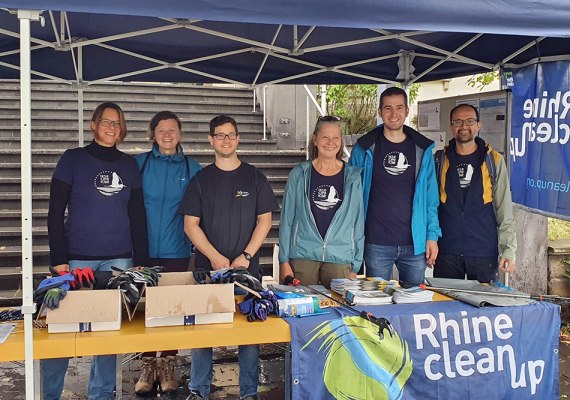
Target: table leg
x=119, y=377
x=287, y=356
x=38, y=378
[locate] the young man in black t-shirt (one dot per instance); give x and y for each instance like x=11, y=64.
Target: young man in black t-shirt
x=227, y=216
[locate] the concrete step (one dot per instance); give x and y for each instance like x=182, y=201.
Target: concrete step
x=140, y=143
x=12, y=200
x=200, y=155
x=275, y=168
x=42, y=184
x=128, y=90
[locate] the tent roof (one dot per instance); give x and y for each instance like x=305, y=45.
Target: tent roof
x=280, y=42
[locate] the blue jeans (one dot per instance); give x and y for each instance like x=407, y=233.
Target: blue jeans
x=381, y=259
x=201, y=371
x=102, y=265
x=101, y=381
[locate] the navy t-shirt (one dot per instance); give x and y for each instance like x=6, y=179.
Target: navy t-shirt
x=389, y=216
x=466, y=165
x=98, y=223
x=325, y=196
x=228, y=203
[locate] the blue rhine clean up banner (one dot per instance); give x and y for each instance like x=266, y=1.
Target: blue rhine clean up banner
x=539, y=150
x=444, y=350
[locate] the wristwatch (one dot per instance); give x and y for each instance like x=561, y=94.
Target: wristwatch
x=247, y=255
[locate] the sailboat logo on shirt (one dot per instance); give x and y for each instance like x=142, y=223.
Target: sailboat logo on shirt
x=395, y=163
x=325, y=197
x=465, y=172
x=108, y=183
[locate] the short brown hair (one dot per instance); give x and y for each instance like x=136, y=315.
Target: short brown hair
x=222, y=120
x=162, y=116
x=98, y=113
x=394, y=91
x=326, y=119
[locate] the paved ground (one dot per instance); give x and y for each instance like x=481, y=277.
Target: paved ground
x=224, y=386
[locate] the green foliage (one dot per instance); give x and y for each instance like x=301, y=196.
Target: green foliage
x=413, y=92
x=355, y=104
x=558, y=229
x=482, y=80
x=567, y=271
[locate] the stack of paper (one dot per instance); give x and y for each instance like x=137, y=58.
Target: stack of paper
x=411, y=295
x=367, y=297
x=340, y=285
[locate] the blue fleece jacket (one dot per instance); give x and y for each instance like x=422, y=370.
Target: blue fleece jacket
x=165, y=179
x=425, y=225
x=298, y=233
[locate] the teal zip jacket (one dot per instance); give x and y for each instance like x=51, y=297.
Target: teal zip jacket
x=299, y=237
x=165, y=179
x=425, y=225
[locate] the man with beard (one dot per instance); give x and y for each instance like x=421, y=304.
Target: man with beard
x=475, y=212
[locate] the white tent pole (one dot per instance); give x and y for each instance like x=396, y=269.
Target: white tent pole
x=264, y=112
x=28, y=307
x=80, y=96
x=307, y=139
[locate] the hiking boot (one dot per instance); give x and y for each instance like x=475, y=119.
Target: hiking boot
x=166, y=373
x=194, y=396
x=148, y=376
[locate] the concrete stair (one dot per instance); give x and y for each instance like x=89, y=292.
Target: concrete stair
x=55, y=129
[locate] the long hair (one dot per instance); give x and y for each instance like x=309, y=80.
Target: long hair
x=326, y=119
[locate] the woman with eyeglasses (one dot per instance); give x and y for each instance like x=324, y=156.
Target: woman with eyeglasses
x=165, y=172
x=321, y=235
x=106, y=226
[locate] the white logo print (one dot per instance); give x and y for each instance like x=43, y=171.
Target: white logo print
x=240, y=193
x=395, y=163
x=465, y=172
x=108, y=183
x=325, y=197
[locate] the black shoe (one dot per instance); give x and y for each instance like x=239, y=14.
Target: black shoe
x=194, y=395
x=254, y=397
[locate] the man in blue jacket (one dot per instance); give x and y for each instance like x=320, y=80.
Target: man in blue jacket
x=400, y=194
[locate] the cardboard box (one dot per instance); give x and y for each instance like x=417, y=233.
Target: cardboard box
x=86, y=311
x=178, y=300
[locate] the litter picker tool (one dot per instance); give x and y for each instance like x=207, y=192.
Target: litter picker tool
x=539, y=297
x=382, y=323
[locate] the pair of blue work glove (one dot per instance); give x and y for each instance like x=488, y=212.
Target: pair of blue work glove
x=52, y=290
x=256, y=308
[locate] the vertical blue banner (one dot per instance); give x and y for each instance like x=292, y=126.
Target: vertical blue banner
x=540, y=132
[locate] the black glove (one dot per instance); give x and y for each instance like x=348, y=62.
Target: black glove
x=101, y=279
x=53, y=297
x=201, y=277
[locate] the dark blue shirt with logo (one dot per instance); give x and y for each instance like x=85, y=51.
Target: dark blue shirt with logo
x=389, y=216
x=465, y=168
x=98, y=224
x=325, y=196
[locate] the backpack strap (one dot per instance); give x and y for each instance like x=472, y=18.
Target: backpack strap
x=491, y=167
x=438, y=160
x=145, y=162
x=187, y=167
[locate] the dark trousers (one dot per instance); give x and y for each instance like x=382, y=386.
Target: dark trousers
x=483, y=269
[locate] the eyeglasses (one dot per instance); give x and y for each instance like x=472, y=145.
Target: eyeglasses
x=329, y=118
x=223, y=136
x=458, y=123
x=107, y=123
